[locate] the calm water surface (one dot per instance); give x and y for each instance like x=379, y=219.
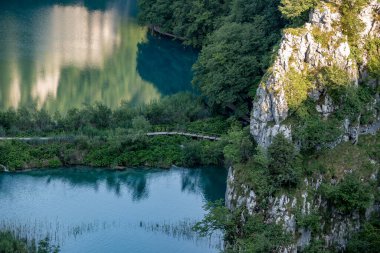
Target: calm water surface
x=90, y=210
x=61, y=54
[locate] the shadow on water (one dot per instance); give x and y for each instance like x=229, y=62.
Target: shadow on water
x=211, y=182
x=166, y=63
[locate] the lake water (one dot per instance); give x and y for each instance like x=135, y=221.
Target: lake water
x=94, y=210
x=62, y=54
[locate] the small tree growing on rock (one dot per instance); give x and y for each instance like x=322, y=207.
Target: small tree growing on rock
x=284, y=162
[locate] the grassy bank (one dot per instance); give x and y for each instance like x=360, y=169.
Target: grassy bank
x=114, y=151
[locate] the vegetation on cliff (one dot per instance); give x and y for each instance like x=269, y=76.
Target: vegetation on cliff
x=237, y=40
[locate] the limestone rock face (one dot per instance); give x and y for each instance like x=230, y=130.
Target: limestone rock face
x=319, y=43
x=281, y=210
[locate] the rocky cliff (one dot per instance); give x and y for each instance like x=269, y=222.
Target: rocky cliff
x=333, y=230
x=319, y=43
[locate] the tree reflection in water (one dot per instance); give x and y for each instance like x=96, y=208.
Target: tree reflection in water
x=165, y=63
x=209, y=182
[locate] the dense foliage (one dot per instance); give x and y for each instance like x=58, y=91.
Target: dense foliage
x=236, y=56
x=284, y=161
x=254, y=236
x=98, y=136
x=236, y=37
x=192, y=20
x=9, y=243
x=368, y=238
x=348, y=195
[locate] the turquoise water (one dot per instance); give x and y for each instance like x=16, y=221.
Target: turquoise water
x=62, y=54
x=93, y=210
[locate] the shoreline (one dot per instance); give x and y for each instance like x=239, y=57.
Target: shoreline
x=104, y=168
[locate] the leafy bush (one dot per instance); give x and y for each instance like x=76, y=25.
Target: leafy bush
x=192, y=20
x=310, y=221
x=9, y=243
x=351, y=23
x=284, y=162
x=348, y=195
x=294, y=9
x=367, y=239
x=232, y=63
x=240, y=147
x=373, y=48
x=297, y=86
x=254, y=235
x=317, y=246
x=259, y=236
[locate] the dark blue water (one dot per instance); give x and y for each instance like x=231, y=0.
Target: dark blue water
x=89, y=210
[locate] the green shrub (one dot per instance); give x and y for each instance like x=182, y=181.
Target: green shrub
x=315, y=133
x=317, y=246
x=310, y=221
x=348, y=195
x=373, y=49
x=293, y=9
x=333, y=78
x=10, y=244
x=239, y=147
x=254, y=235
x=192, y=154
x=367, y=239
x=284, y=162
x=352, y=25
x=297, y=86
x=55, y=163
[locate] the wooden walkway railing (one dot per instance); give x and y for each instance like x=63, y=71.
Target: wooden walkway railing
x=192, y=135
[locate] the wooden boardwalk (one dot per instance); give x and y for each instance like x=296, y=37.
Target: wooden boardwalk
x=39, y=139
x=72, y=138
x=192, y=135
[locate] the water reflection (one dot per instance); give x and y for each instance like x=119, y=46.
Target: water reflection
x=94, y=210
x=209, y=182
x=62, y=54
x=174, y=60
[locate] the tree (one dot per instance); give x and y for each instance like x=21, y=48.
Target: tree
x=236, y=56
x=348, y=195
x=191, y=20
x=140, y=126
x=284, y=162
x=239, y=147
x=367, y=239
x=293, y=9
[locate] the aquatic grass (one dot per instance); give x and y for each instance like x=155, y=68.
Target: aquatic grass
x=183, y=230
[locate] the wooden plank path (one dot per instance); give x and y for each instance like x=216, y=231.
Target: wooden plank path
x=192, y=135
x=39, y=139
x=71, y=138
